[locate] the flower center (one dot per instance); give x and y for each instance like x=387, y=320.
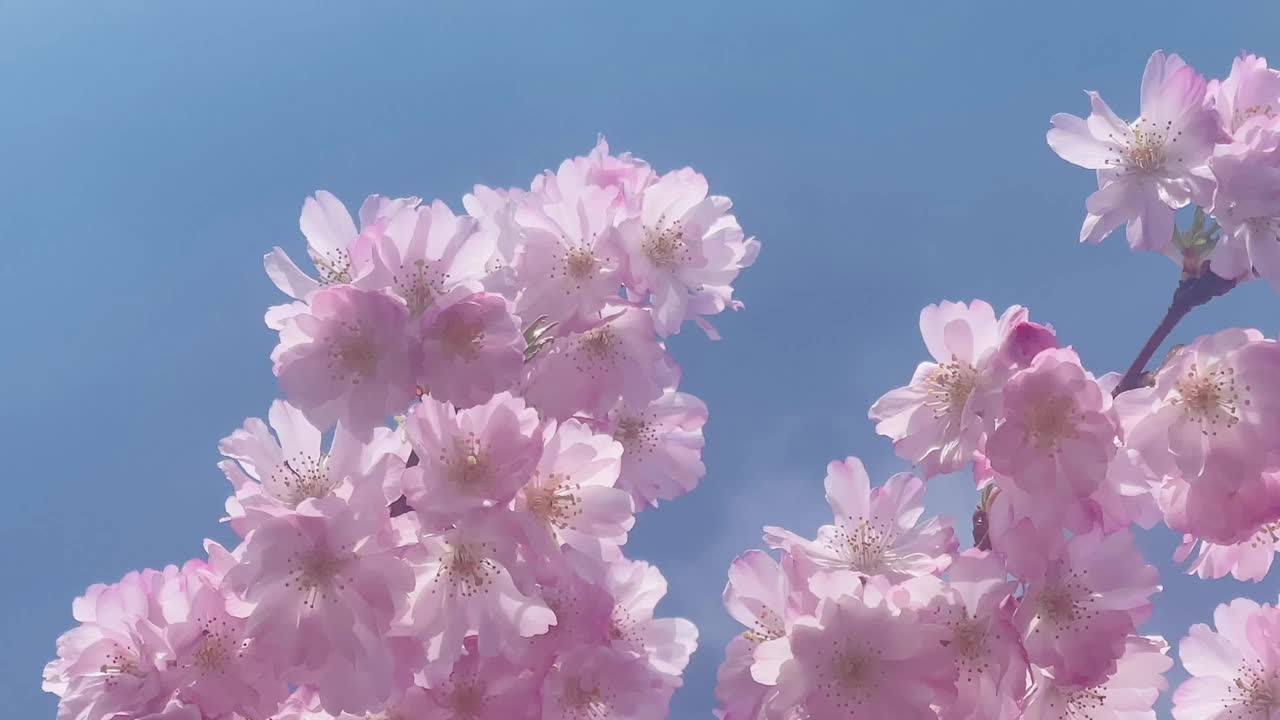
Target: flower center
x=635, y=434
x=468, y=466
x=334, y=268
x=1242, y=115
x=317, y=575
x=665, y=246
x=462, y=338
x=1255, y=687
x=1057, y=605
x=949, y=388
x=555, y=504
x=855, y=671
x=1050, y=420
x=580, y=264
x=1210, y=399
x=468, y=568
x=120, y=662
x=767, y=626
x=863, y=546
x=599, y=345
x=300, y=478
x=1146, y=148
x=418, y=283
x=586, y=703
x=466, y=701
x=352, y=354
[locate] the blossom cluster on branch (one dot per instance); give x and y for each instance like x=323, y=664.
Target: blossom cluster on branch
x=880, y=615
x=464, y=560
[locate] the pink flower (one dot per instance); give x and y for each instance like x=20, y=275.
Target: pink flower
x=1084, y=596
x=1058, y=429
x=1249, y=559
x=340, y=253
x=471, y=349
x=1024, y=341
x=111, y=666
x=666, y=643
x=495, y=210
x=853, y=659
x=464, y=586
x=661, y=446
x=939, y=420
x=570, y=263
x=469, y=459
x=1148, y=168
x=760, y=595
x=1235, y=670
x=740, y=696
x=620, y=358
x=1128, y=694
x=1246, y=202
x=217, y=667
x=571, y=499
x=346, y=358
x=444, y=257
x=275, y=477
x=322, y=590
x=684, y=250
x=600, y=682
x=877, y=532
x=1216, y=394
x=478, y=688
x=979, y=634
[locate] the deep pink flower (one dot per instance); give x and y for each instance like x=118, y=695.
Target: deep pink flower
x=276, y=474
x=470, y=349
x=661, y=446
x=618, y=359
x=1148, y=168
x=939, y=420
x=571, y=499
x=1250, y=559
x=864, y=659
x=346, y=358
x=1235, y=669
x=876, y=532
x=469, y=459
x=1058, y=427
x=684, y=250
x=1084, y=596
x=1128, y=694
x=342, y=255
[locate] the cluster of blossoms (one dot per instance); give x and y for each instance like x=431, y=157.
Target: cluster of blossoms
x=464, y=560
x=881, y=615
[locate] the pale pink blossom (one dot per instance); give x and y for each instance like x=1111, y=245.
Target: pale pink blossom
x=1127, y=694
x=470, y=459
x=478, y=688
x=665, y=643
x=464, y=586
x=602, y=682
x=341, y=254
x=570, y=263
x=347, y=358
x=941, y=417
x=495, y=209
x=1084, y=596
x=762, y=594
x=661, y=446
x=853, y=659
x=1235, y=669
x=276, y=474
x=1226, y=504
x=617, y=359
x=876, y=532
x=571, y=499
x=684, y=250
x=979, y=634
x=1058, y=428
x=1147, y=168
x=321, y=591
x=740, y=696
x=1248, y=560
x=443, y=258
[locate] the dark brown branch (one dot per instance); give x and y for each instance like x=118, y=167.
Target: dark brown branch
x=401, y=504
x=1192, y=292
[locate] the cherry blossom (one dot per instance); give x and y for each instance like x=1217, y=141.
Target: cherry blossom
x=1128, y=694
x=661, y=446
x=1235, y=668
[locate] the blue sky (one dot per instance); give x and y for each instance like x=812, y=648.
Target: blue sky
x=888, y=155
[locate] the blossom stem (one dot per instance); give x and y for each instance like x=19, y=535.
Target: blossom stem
x=1192, y=292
